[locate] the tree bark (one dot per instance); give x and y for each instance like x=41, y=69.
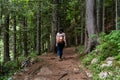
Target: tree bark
x=76, y=25
x=20, y=42
x=14, y=39
x=113, y=22
x=82, y=24
x=49, y=43
x=0, y=12
x=118, y=15
x=25, y=51
x=117, y=10
x=38, y=30
x=103, y=15
x=91, y=25
x=6, y=39
x=100, y=14
x=58, y=13
x=54, y=26
x=86, y=40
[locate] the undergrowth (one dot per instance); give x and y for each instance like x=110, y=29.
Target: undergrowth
x=10, y=67
x=109, y=47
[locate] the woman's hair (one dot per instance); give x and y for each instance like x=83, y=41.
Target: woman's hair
x=61, y=30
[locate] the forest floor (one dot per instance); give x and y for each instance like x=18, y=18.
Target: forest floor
x=50, y=68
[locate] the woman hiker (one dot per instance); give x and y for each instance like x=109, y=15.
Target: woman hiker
x=60, y=42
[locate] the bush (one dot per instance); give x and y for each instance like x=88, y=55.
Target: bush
x=10, y=67
x=79, y=49
x=86, y=60
x=109, y=47
x=109, y=44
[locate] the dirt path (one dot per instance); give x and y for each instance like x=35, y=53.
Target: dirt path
x=50, y=68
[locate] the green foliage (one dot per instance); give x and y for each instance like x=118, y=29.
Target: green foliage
x=10, y=65
x=117, y=57
x=79, y=49
x=109, y=47
x=95, y=68
x=108, y=3
x=86, y=60
x=116, y=63
x=32, y=54
x=20, y=59
x=8, y=69
x=109, y=44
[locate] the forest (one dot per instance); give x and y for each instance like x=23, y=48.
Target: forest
x=28, y=29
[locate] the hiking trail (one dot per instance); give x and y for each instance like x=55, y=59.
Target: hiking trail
x=50, y=68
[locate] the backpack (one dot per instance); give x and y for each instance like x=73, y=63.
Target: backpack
x=60, y=39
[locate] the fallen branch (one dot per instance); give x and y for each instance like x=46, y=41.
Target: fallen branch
x=63, y=75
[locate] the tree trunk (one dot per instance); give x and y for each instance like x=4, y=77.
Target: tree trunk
x=113, y=22
x=54, y=26
x=14, y=39
x=118, y=15
x=91, y=25
x=20, y=42
x=82, y=35
x=58, y=13
x=76, y=39
x=100, y=17
x=86, y=40
x=0, y=17
x=76, y=25
x=103, y=15
x=25, y=51
x=38, y=30
x=6, y=39
x=82, y=24
x=117, y=10
x=35, y=36
x=48, y=43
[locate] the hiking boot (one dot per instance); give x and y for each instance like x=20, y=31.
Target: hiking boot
x=60, y=59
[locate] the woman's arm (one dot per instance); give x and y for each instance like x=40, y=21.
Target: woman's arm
x=56, y=38
x=65, y=39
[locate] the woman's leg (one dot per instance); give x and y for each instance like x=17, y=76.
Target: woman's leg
x=61, y=51
x=58, y=50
